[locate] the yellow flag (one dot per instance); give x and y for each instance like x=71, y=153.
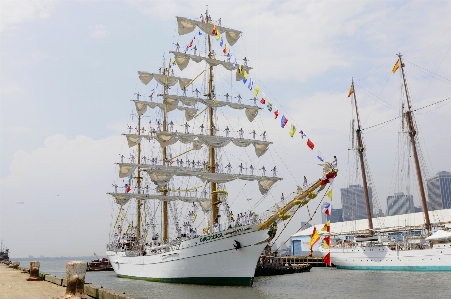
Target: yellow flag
x=195, y=216
x=326, y=226
x=292, y=130
x=396, y=66
x=256, y=90
x=218, y=35
x=329, y=194
x=246, y=75
x=351, y=91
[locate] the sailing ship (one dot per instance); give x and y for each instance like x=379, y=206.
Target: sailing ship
x=225, y=250
x=380, y=252
x=4, y=253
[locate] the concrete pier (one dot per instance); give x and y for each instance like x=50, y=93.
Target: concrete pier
x=14, y=285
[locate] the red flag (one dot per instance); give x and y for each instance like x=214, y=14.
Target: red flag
x=128, y=189
x=327, y=260
x=310, y=144
x=276, y=113
x=262, y=101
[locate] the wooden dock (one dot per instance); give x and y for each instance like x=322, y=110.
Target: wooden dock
x=296, y=260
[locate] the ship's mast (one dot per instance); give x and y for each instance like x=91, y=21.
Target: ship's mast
x=138, y=202
x=412, y=134
x=360, y=150
x=214, y=195
x=165, y=189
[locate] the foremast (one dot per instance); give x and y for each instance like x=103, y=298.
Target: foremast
x=360, y=150
x=138, y=201
x=412, y=134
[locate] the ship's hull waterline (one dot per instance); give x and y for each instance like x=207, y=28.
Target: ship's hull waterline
x=210, y=259
x=382, y=258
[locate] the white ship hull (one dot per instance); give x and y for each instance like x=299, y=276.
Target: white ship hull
x=382, y=257
x=210, y=259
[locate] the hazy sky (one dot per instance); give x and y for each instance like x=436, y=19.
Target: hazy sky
x=69, y=70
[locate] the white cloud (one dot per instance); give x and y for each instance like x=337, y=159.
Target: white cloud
x=99, y=31
x=14, y=12
x=312, y=37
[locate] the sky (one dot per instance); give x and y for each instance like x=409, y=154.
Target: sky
x=69, y=70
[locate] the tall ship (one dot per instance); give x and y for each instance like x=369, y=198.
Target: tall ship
x=4, y=253
x=404, y=248
x=174, y=218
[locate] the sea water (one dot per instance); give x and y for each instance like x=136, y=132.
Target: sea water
x=319, y=283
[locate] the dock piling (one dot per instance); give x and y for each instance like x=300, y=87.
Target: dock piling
x=75, y=276
x=34, y=271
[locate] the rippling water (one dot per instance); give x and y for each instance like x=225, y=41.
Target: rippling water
x=319, y=283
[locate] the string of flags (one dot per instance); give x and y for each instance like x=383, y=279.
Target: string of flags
x=254, y=88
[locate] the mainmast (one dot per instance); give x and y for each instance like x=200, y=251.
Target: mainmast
x=412, y=134
x=165, y=189
x=214, y=194
x=360, y=150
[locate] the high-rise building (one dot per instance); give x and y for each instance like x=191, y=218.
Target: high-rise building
x=336, y=215
x=439, y=191
x=353, y=202
x=400, y=204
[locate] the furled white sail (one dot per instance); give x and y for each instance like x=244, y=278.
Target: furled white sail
x=123, y=198
x=251, y=110
x=187, y=25
x=161, y=177
x=146, y=77
x=141, y=108
x=168, y=138
x=183, y=59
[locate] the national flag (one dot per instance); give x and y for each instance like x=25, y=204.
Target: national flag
x=221, y=42
x=269, y=106
x=351, y=91
x=310, y=144
x=256, y=90
x=329, y=194
x=214, y=31
x=263, y=100
x=276, y=114
x=127, y=188
x=326, y=226
x=327, y=260
x=313, y=240
x=396, y=66
x=292, y=130
x=302, y=134
x=326, y=209
x=326, y=242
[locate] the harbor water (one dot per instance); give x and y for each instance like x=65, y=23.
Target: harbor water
x=319, y=283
